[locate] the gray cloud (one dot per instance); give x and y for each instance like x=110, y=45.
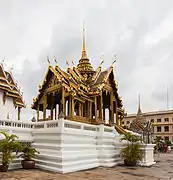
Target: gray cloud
x=140, y=33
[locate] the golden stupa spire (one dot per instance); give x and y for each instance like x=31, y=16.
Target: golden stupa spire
x=84, y=55
x=139, y=105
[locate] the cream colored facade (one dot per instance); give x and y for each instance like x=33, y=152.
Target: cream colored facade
x=162, y=121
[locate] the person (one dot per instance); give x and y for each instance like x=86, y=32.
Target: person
x=165, y=148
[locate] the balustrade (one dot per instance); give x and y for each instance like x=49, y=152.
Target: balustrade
x=52, y=124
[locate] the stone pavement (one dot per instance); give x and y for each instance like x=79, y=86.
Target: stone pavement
x=163, y=169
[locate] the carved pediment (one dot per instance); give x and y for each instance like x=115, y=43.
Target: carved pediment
x=41, y=101
x=53, y=81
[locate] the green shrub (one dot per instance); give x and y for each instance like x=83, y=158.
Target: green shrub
x=132, y=152
x=8, y=146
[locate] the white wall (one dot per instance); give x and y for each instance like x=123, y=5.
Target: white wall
x=71, y=146
x=67, y=146
x=22, y=129
x=6, y=108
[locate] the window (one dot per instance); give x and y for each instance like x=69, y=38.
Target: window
x=122, y=122
x=166, y=119
x=166, y=138
x=152, y=120
x=166, y=128
x=158, y=120
x=159, y=129
x=128, y=122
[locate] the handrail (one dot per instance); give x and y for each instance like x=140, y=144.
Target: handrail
x=56, y=123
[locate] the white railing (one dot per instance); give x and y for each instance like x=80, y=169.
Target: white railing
x=67, y=124
x=108, y=129
x=46, y=124
x=81, y=126
x=16, y=124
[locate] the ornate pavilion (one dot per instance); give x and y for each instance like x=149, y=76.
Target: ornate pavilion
x=81, y=93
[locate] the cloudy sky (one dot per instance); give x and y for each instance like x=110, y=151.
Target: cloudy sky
x=140, y=33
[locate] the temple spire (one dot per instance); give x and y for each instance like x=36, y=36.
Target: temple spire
x=84, y=55
x=139, y=106
x=84, y=66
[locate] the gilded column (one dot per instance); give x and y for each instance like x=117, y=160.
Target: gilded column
x=82, y=112
x=63, y=101
x=65, y=113
x=52, y=107
x=19, y=110
x=104, y=115
x=55, y=112
x=44, y=106
x=117, y=119
x=95, y=103
x=100, y=108
x=38, y=110
x=90, y=110
x=111, y=110
x=72, y=107
x=80, y=109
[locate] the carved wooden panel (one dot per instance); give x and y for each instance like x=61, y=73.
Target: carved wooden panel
x=53, y=81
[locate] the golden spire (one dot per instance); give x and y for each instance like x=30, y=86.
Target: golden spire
x=139, y=105
x=84, y=55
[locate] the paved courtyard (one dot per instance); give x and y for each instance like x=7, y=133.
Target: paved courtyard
x=162, y=170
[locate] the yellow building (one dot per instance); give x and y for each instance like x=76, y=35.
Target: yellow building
x=162, y=122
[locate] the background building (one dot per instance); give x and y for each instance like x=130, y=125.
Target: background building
x=162, y=121
x=11, y=100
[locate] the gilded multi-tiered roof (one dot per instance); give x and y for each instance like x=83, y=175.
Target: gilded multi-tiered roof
x=8, y=85
x=82, y=82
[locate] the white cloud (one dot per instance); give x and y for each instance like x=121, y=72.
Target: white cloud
x=162, y=31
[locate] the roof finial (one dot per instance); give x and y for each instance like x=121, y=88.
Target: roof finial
x=56, y=62
x=102, y=59
x=139, y=105
x=72, y=62
x=84, y=55
x=67, y=63
x=114, y=61
x=2, y=62
x=48, y=60
x=12, y=67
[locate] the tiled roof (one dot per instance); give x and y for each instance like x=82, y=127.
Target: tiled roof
x=7, y=84
x=101, y=77
x=81, y=87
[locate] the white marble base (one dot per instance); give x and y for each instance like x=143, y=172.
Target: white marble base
x=148, y=156
x=67, y=146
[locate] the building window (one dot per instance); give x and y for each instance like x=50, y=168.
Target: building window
x=152, y=120
x=128, y=122
x=122, y=122
x=159, y=129
x=158, y=120
x=166, y=138
x=166, y=119
x=166, y=128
